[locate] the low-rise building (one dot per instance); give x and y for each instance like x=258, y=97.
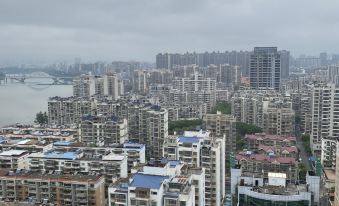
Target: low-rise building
x=254, y=140
x=13, y=159
x=255, y=189
x=134, y=152
x=278, y=151
x=112, y=166
x=266, y=163
x=28, y=187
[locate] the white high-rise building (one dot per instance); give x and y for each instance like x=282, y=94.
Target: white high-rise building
x=336, y=194
x=325, y=115
x=113, y=86
x=201, y=150
x=198, y=89
x=109, y=85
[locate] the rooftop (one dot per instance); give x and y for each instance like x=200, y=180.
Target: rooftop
x=133, y=146
x=268, y=148
x=264, y=136
x=56, y=155
x=185, y=139
x=62, y=143
x=26, y=174
x=147, y=181
x=13, y=153
x=290, y=189
x=264, y=158
x=277, y=175
x=180, y=179
x=113, y=157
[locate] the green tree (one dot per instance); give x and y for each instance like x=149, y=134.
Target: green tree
x=302, y=172
x=181, y=125
x=41, y=118
x=306, y=143
x=244, y=128
x=223, y=107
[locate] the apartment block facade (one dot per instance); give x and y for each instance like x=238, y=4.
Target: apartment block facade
x=325, y=115
x=59, y=189
x=265, y=68
x=103, y=130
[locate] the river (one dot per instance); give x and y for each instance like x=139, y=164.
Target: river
x=20, y=102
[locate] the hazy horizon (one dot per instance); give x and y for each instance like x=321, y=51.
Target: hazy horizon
x=44, y=31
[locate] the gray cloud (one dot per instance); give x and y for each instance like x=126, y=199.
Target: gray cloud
x=52, y=30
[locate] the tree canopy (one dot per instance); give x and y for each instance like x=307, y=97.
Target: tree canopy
x=41, y=118
x=244, y=128
x=181, y=125
x=223, y=107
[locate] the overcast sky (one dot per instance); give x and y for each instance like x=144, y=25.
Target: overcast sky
x=34, y=31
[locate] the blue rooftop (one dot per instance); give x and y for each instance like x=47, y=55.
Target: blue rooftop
x=147, y=181
x=131, y=145
x=58, y=155
x=174, y=163
x=191, y=140
x=2, y=141
x=62, y=143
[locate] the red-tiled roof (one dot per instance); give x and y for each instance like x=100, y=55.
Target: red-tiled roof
x=267, y=148
x=265, y=136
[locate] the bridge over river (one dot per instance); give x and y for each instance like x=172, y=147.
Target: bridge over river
x=38, y=75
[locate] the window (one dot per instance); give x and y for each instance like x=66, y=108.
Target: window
x=182, y=203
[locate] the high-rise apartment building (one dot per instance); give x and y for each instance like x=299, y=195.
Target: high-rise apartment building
x=114, y=86
x=328, y=152
x=201, y=150
x=140, y=81
x=198, y=89
x=103, y=130
x=333, y=74
x=87, y=85
x=265, y=68
x=67, y=111
x=247, y=109
x=336, y=194
x=267, y=109
x=285, y=63
x=81, y=86
x=222, y=125
x=278, y=117
x=233, y=58
x=148, y=125
x=325, y=115
x=213, y=161
x=323, y=59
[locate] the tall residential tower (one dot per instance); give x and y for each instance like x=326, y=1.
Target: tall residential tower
x=265, y=68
